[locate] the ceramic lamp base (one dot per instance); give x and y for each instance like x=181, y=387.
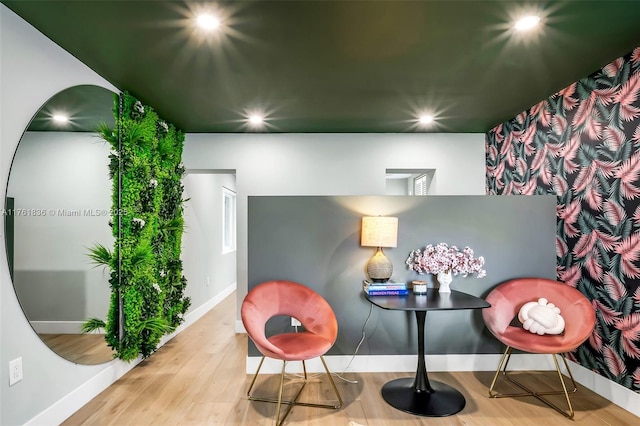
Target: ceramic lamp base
x=379, y=267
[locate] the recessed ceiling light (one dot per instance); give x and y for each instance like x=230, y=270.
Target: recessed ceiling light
x=207, y=22
x=60, y=118
x=425, y=119
x=256, y=120
x=526, y=23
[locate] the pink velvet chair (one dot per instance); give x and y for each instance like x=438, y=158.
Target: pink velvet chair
x=506, y=301
x=320, y=330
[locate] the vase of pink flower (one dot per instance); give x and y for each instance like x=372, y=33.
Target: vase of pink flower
x=446, y=261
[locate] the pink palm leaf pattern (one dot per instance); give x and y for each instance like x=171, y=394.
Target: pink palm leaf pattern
x=629, y=251
x=607, y=315
x=630, y=328
x=614, y=361
x=615, y=288
x=583, y=145
x=627, y=96
x=636, y=377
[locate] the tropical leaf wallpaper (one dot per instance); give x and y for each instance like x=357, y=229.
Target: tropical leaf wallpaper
x=583, y=145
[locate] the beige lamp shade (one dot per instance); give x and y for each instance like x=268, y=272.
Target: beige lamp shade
x=379, y=231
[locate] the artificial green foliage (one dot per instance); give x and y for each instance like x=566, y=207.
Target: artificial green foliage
x=107, y=133
x=93, y=324
x=146, y=279
x=101, y=256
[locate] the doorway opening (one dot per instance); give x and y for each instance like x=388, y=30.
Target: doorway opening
x=410, y=182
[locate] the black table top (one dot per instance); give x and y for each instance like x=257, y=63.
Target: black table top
x=432, y=301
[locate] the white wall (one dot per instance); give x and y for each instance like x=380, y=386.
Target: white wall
x=32, y=70
x=209, y=272
x=333, y=164
x=397, y=186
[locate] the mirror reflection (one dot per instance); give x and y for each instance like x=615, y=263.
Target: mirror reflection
x=57, y=207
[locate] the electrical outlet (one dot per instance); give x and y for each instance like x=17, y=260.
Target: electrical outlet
x=295, y=322
x=15, y=371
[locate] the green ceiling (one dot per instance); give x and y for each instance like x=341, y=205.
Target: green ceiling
x=339, y=66
x=87, y=106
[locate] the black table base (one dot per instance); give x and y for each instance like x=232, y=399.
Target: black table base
x=443, y=400
x=418, y=395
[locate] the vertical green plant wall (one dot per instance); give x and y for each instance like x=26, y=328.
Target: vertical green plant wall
x=147, y=283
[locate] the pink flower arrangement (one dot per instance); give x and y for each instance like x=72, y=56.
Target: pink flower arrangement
x=442, y=258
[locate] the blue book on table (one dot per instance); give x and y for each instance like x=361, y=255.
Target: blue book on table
x=400, y=292
x=389, y=285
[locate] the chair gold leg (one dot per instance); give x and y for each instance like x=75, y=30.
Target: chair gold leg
x=279, y=421
x=304, y=370
x=255, y=376
x=502, y=368
x=279, y=401
x=564, y=387
x=333, y=385
x=268, y=399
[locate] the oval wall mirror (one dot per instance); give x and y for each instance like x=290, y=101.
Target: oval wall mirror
x=57, y=207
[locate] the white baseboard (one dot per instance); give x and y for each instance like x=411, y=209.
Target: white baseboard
x=604, y=387
x=404, y=363
x=619, y=395
x=73, y=401
x=240, y=327
x=57, y=327
x=197, y=313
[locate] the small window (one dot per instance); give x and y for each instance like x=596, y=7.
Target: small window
x=420, y=185
x=228, y=220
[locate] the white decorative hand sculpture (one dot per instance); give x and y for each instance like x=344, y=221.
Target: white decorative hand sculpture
x=541, y=317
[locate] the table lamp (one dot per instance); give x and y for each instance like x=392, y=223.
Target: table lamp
x=379, y=231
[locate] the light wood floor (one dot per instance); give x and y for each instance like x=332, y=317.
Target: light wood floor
x=198, y=378
x=86, y=349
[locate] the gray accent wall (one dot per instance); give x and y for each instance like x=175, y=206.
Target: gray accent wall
x=315, y=240
x=53, y=295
